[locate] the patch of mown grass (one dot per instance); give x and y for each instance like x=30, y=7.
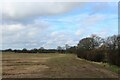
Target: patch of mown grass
x=57, y=66
x=68, y=66
x=108, y=66
x=27, y=55
x=114, y=68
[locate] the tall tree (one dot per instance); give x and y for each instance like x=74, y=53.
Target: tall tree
x=24, y=50
x=67, y=46
x=86, y=43
x=97, y=40
x=112, y=42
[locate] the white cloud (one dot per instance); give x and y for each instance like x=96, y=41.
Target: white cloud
x=20, y=10
x=54, y=33
x=49, y=32
x=12, y=27
x=78, y=32
x=29, y=29
x=72, y=42
x=60, y=38
x=22, y=35
x=11, y=30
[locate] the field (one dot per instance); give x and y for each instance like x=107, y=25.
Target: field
x=52, y=65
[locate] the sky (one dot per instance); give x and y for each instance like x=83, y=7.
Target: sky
x=51, y=24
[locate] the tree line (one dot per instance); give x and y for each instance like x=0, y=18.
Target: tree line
x=59, y=49
x=97, y=49
x=93, y=48
x=24, y=50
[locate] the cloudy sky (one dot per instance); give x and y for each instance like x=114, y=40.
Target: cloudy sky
x=51, y=24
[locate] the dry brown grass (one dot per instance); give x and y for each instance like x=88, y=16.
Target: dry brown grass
x=19, y=65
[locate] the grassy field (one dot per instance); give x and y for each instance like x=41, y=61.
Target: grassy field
x=52, y=65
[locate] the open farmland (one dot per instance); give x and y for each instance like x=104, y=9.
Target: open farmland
x=52, y=65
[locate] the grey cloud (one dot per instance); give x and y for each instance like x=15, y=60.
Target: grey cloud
x=21, y=10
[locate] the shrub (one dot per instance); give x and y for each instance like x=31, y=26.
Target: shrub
x=113, y=57
x=92, y=55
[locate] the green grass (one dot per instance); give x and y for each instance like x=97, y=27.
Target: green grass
x=111, y=67
x=114, y=68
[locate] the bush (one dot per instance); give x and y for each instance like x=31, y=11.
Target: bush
x=92, y=55
x=81, y=53
x=96, y=55
x=113, y=57
x=107, y=51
